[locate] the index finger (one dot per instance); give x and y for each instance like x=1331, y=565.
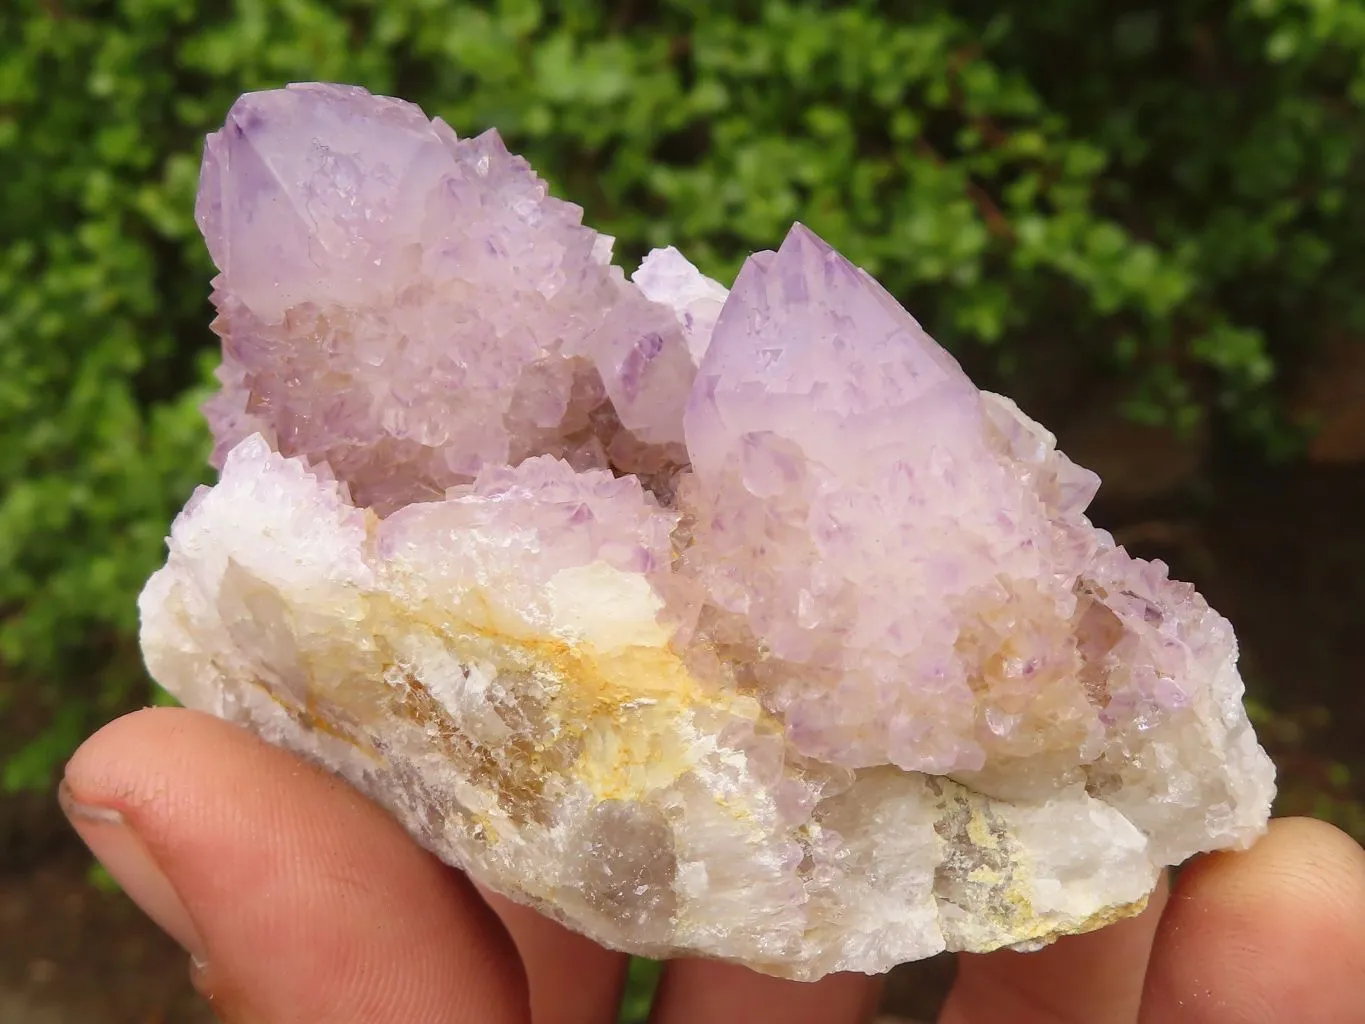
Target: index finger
x=1096, y=978
x=305, y=901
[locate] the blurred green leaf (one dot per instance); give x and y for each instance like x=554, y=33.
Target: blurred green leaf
x=642, y=981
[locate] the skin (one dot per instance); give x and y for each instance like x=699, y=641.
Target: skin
x=302, y=903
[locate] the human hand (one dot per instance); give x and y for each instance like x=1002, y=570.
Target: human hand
x=302, y=903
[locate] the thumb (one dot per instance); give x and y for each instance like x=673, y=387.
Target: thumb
x=298, y=900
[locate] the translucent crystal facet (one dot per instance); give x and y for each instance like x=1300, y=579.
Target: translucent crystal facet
x=409, y=307
x=734, y=623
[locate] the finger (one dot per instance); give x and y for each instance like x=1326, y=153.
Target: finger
x=303, y=901
x=693, y=991
x=573, y=980
x=1272, y=935
x=1094, y=978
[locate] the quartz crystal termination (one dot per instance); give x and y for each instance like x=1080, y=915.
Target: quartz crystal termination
x=431, y=371
x=738, y=624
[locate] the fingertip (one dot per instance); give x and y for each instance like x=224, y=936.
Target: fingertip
x=1298, y=855
x=98, y=771
x=1095, y=977
x=572, y=979
x=311, y=902
x=1264, y=935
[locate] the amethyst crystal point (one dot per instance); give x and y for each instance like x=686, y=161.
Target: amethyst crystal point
x=826, y=424
x=408, y=306
x=726, y=623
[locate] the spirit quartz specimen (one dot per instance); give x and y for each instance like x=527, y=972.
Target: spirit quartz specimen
x=733, y=624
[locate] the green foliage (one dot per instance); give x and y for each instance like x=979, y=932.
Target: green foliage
x=642, y=981
x=1157, y=190
x=99, y=878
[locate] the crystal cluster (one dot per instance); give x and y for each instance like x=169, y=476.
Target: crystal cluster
x=732, y=623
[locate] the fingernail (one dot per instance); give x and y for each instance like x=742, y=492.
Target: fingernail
x=124, y=856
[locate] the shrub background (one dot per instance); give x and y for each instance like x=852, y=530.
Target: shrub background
x=1154, y=194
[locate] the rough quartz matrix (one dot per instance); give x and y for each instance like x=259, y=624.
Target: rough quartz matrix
x=737, y=624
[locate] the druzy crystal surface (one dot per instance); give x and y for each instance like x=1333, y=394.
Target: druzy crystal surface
x=735, y=623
